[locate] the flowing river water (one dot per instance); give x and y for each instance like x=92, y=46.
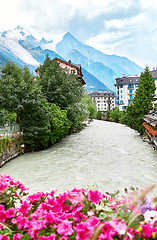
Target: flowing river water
x=108, y=155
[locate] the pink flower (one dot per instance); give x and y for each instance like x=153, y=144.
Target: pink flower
x=85, y=230
x=146, y=231
x=76, y=196
x=94, y=196
x=25, y=207
x=36, y=197
x=37, y=225
x=3, y=186
x=51, y=237
x=17, y=236
x=10, y=213
x=2, y=214
x=20, y=221
x=4, y=237
x=119, y=226
x=107, y=232
x=20, y=186
x=64, y=238
x=65, y=228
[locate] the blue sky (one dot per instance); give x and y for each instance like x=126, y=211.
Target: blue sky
x=124, y=27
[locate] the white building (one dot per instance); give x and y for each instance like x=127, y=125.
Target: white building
x=104, y=100
x=126, y=88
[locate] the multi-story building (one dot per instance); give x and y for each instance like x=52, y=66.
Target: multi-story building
x=104, y=100
x=126, y=88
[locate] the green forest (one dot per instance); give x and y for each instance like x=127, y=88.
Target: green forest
x=47, y=107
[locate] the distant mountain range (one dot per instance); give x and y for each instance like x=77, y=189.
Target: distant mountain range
x=29, y=46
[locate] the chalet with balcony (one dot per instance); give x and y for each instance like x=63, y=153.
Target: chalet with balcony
x=69, y=68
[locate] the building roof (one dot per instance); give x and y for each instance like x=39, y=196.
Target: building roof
x=154, y=73
x=77, y=66
x=128, y=80
x=134, y=79
x=102, y=94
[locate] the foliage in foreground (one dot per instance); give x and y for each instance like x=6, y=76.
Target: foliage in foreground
x=78, y=214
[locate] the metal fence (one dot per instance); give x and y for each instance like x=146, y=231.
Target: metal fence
x=9, y=128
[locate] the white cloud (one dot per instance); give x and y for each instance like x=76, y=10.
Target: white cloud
x=11, y=14
x=124, y=27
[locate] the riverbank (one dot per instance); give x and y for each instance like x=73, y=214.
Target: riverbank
x=11, y=147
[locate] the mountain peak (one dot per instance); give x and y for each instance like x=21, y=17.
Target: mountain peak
x=68, y=35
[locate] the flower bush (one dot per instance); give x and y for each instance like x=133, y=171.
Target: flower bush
x=79, y=214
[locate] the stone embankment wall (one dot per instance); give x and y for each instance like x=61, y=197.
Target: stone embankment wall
x=11, y=146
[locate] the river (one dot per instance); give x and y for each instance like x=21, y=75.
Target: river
x=108, y=155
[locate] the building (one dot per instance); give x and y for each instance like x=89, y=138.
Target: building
x=154, y=74
x=150, y=125
x=126, y=88
x=104, y=100
x=68, y=67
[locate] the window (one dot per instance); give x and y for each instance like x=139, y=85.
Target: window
x=121, y=96
x=121, y=86
x=121, y=91
x=130, y=91
x=130, y=96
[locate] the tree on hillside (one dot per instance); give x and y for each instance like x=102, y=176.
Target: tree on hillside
x=63, y=89
x=142, y=101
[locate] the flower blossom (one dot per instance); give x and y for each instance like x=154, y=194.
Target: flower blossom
x=94, y=196
x=65, y=228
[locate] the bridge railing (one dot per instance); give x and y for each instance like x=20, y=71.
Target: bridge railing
x=9, y=128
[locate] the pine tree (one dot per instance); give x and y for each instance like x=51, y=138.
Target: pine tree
x=142, y=101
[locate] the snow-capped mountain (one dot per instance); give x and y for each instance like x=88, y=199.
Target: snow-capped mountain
x=29, y=46
x=11, y=40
